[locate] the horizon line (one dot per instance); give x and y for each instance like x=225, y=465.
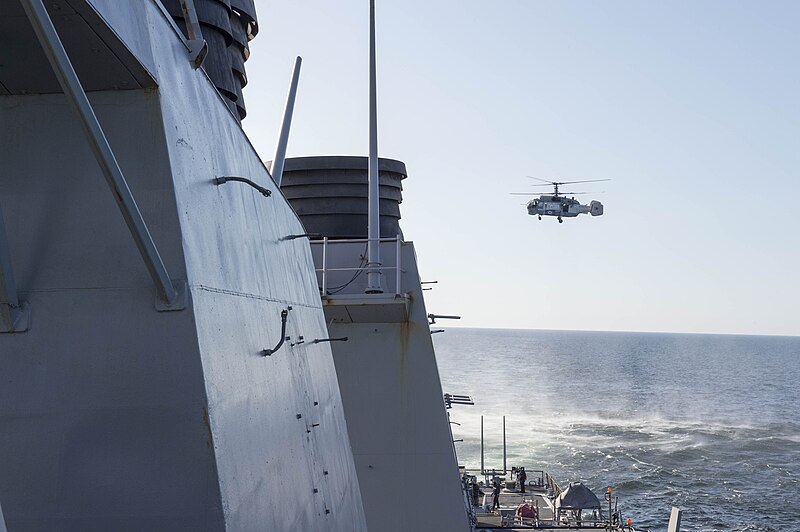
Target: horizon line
x=624, y=331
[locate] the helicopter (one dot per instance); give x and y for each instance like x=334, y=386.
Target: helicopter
x=558, y=204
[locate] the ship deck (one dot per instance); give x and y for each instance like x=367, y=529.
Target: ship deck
x=504, y=518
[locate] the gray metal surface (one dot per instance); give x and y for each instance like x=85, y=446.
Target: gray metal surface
x=100, y=59
x=114, y=416
x=172, y=298
x=9, y=300
x=393, y=402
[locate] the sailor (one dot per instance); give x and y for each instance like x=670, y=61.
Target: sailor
x=496, y=494
x=522, y=477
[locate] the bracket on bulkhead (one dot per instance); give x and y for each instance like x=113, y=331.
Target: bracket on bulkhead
x=320, y=340
x=434, y=317
x=179, y=302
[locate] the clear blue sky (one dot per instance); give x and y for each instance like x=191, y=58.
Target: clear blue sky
x=692, y=108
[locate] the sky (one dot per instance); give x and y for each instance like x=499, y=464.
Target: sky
x=691, y=108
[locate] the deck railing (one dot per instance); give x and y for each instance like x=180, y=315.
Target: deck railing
x=325, y=270
x=552, y=485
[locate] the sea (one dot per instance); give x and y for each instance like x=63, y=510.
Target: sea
x=707, y=423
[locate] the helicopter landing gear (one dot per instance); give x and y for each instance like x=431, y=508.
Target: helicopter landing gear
x=540, y=216
x=560, y=220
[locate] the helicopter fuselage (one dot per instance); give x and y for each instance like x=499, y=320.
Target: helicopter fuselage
x=562, y=207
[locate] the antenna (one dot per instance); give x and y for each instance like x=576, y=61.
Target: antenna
x=283, y=138
x=483, y=471
x=373, y=211
x=505, y=468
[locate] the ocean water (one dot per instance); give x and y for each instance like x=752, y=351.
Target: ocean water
x=708, y=423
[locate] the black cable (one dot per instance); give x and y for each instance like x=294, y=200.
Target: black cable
x=361, y=267
x=222, y=180
x=284, y=315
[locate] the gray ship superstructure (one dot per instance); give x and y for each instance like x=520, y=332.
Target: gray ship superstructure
x=135, y=391
x=387, y=372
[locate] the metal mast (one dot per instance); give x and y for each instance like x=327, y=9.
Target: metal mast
x=373, y=212
x=283, y=138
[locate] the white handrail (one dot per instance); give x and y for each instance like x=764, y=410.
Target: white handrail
x=325, y=270
x=353, y=240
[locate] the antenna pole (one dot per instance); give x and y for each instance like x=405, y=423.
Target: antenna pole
x=373, y=211
x=283, y=138
x=505, y=469
x=482, y=468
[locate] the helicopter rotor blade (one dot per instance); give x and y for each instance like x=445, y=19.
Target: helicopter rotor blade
x=583, y=181
x=560, y=193
x=540, y=179
x=559, y=183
